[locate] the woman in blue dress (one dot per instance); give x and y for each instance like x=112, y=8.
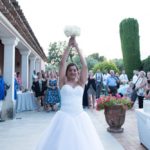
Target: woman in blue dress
x=2, y=93
x=2, y=88
x=52, y=97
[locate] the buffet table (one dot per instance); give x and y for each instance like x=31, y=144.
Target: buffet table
x=25, y=101
x=143, y=120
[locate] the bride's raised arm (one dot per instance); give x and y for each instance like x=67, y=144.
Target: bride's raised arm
x=62, y=67
x=84, y=69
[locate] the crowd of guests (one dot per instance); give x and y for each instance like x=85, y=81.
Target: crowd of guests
x=111, y=83
x=46, y=88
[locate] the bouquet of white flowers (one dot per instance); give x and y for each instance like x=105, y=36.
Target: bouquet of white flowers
x=72, y=31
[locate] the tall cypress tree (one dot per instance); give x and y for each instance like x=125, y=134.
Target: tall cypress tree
x=129, y=35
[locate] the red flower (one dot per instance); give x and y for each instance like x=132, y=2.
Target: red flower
x=112, y=100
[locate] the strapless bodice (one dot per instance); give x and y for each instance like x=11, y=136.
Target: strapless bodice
x=71, y=99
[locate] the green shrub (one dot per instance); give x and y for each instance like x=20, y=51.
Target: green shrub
x=146, y=64
x=129, y=35
x=106, y=65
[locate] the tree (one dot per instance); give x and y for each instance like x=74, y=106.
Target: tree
x=72, y=54
x=106, y=65
x=91, y=62
x=129, y=35
x=146, y=64
x=50, y=67
x=76, y=60
x=97, y=57
x=119, y=63
x=55, y=52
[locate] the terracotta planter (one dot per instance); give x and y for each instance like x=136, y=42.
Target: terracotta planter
x=115, y=117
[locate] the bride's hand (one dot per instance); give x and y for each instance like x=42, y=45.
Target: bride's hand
x=71, y=42
x=75, y=44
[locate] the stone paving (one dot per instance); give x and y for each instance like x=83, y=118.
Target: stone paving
x=129, y=139
x=23, y=132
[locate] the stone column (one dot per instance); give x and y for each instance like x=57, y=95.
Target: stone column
x=9, y=69
x=38, y=65
x=25, y=67
x=42, y=65
x=32, y=68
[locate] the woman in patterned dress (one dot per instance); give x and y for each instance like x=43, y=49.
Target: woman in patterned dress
x=52, y=97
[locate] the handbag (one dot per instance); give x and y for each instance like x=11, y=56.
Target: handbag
x=134, y=84
x=133, y=87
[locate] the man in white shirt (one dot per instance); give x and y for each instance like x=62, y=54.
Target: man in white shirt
x=135, y=76
x=105, y=76
x=99, y=83
x=123, y=78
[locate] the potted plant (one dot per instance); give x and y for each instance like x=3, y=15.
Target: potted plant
x=114, y=110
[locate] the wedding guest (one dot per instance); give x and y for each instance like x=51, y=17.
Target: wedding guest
x=34, y=76
x=39, y=88
x=112, y=83
x=2, y=93
x=129, y=90
x=147, y=88
x=2, y=88
x=99, y=82
x=91, y=90
x=42, y=72
x=47, y=74
x=52, y=97
x=134, y=81
x=105, y=76
x=16, y=86
x=148, y=75
x=19, y=80
x=44, y=80
x=123, y=78
x=123, y=90
x=117, y=79
x=85, y=96
x=135, y=76
x=140, y=87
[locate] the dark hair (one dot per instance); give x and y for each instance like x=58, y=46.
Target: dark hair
x=38, y=73
x=148, y=81
x=43, y=76
x=70, y=65
x=18, y=73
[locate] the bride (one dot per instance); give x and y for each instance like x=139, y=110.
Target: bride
x=71, y=127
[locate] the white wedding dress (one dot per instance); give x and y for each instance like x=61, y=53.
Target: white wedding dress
x=71, y=127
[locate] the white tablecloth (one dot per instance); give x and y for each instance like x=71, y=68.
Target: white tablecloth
x=25, y=101
x=1, y=102
x=143, y=120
